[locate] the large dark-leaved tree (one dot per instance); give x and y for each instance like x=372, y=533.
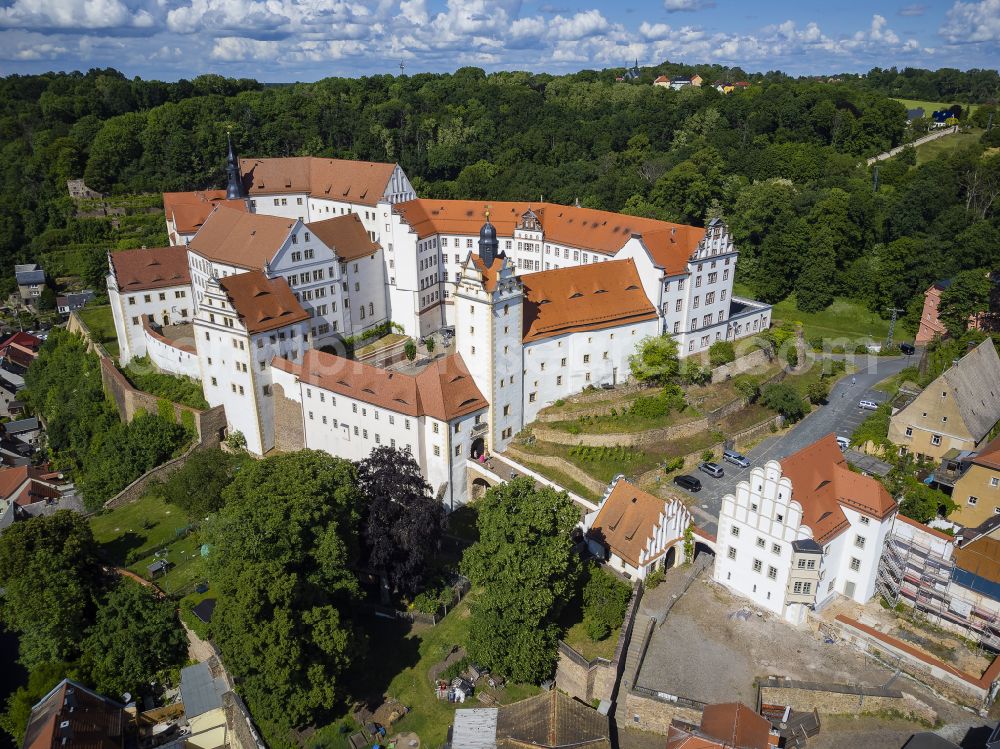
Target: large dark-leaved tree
x=51, y=578
x=281, y=550
x=526, y=568
x=967, y=296
x=402, y=523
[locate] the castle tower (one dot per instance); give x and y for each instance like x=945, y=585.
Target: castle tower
x=489, y=306
x=234, y=183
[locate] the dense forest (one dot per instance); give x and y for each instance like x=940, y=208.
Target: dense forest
x=781, y=161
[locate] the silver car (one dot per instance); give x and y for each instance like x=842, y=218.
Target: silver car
x=712, y=469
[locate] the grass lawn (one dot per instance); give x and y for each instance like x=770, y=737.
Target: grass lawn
x=844, y=318
x=379, y=343
x=624, y=423
x=398, y=665
x=102, y=326
x=930, y=107
x=130, y=535
x=576, y=637
x=930, y=151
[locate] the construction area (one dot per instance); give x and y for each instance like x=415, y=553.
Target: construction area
x=754, y=657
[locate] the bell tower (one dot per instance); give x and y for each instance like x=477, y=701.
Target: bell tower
x=234, y=180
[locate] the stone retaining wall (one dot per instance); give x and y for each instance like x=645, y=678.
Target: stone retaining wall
x=754, y=359
x=624, y=439
x=653, y=715
x=560, y=464
x=841, y=699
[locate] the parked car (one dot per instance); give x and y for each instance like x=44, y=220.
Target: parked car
x=731, y=456
x=868, y=405
x=843, y=443
x=688, y=482
x=712, y=469
x=907, y=348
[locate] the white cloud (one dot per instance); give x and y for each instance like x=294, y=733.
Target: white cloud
x=654, y=31
x=680, y=6
x=73, y=14
x=880, y=32
x=579, y=26
x=973, y=22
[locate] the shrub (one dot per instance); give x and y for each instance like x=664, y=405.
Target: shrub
x=707, y=455
x=748, y=387
x=410, y=350
x=429, y=343
x=818, y=391
x=597, y=629
x=605, y=600
x=674, y=464
x=654, y=578
x=426, y=602
x=559, y=402
x=792, y=357
x=861, y=348
x=721, y=352
x=816, y=343
x=784, y=399
x=455, y=669
x=837, y=350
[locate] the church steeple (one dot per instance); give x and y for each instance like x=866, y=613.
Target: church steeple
x=488, y=244
x=234, y=185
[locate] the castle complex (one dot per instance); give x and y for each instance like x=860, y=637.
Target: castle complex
x=297, y=254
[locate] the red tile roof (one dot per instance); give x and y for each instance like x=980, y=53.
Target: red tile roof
x=24, y=340
x=989, y=456
x=345, y=235
x=94, y=722
x=188, y=210
x=823, y=483
x=443, y=390
x=737, y=725
x=585, y=228
x=627, y=520
x=242, y=240
x=362, y=182
x=263, y=304
x=587, y=297
x=153, y=268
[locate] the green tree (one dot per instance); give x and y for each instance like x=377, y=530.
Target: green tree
x=134, y=636
x=968, y=295
x=922, y=503
x=526, y=568
x=784, y=399
x=50, y=575
x=281, y=550
x=197, y=487
x=655, y=360
x=410, y=349
x=47, y=299
x=748, y=387
x=818, y=391
x=605, y=600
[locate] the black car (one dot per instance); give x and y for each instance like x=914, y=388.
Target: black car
x=907, y=348
x=688, y=482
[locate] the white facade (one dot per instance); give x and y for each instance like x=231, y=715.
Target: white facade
x=767, y=553
x=235, y=365
x=170, y=305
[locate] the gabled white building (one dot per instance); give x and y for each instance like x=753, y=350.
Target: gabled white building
x=243, y=322
x=153, y=282
x=333, y=267
x=802, y=530
x=348, y=408
x=636, y=532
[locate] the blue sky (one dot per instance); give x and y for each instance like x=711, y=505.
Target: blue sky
x=285, y=40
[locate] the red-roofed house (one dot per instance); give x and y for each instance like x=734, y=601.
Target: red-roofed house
x=800, y=531
x=732, y=725
x=636, y=532
x=74, y=717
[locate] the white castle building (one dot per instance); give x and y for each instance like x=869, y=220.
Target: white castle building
x=802, y=530
x=299, y=253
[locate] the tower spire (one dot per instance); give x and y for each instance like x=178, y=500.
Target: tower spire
x=488, y=243
x=234, y=180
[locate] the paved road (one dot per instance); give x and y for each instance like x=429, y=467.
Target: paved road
x=841, y=415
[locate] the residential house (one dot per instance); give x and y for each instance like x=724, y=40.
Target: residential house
x=723, y=87
x=26, y=430
x=957, y=411
x=35, y=490
x=30, y=282
x=723, y=726
x=662, y=81
x=802, y=530
x=72, y=716
x=203, y=687
x=547, y=721
x=636, y=532
x=18, y=352
x=74, y=301
x=974, y=481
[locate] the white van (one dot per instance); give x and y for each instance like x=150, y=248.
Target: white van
x=843, y=442
x=868, y=405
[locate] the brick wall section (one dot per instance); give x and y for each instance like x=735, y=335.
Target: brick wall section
x=648, y=714
x=288, y=430
x=842, y=699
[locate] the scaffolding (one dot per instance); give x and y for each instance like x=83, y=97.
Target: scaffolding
x=914, y=574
